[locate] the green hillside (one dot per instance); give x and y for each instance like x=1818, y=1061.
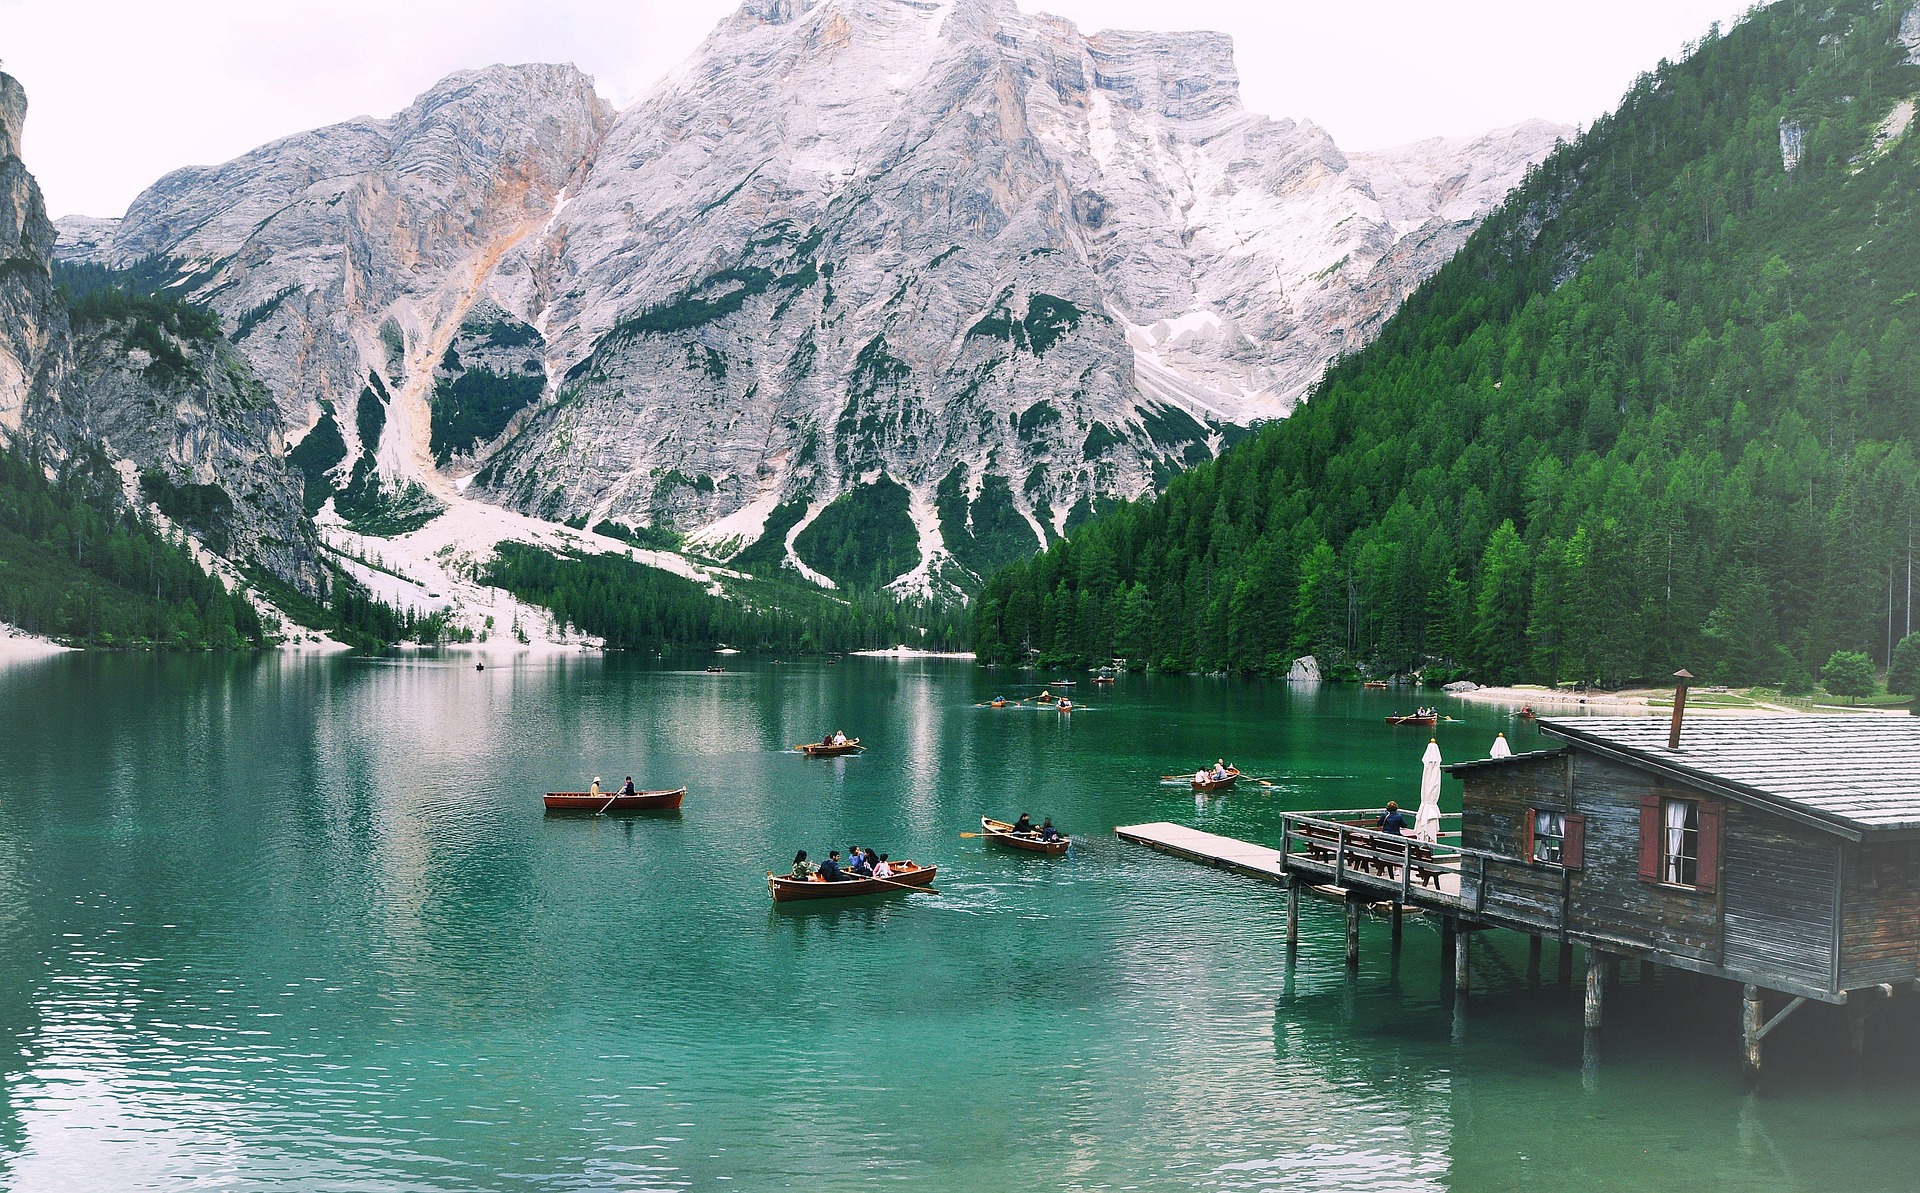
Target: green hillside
x=1660, y=411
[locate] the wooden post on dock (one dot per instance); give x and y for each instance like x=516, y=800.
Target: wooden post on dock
x=1563, y=965
x=1596, y=987
x=1448, y=942
x=1462, y=959
x=1353, y=930
x=1533, y=961
x=1293, y=911
x=1396, y=925
x=1751, y=1015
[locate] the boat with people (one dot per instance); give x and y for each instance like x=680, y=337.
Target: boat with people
x=1379, y=684
x=1217, y=779
x=999, y=832
x=1424, y=716
x=1065, y=705
x=716, y=670
x=1103, y=678
x=830, y=746
x=906, y=875
x=998, y=702
x=615, y=801
x=1063, y=683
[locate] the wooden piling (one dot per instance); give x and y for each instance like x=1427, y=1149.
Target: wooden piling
x=1396, y=925
x=1596, y=987
x=1462, y=959
x=1533, y=961
x=1751, y=1015
x=1293, y=911
x=1563, y=965
x=1353, y=931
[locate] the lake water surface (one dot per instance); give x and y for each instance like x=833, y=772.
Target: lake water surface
x=301, y=922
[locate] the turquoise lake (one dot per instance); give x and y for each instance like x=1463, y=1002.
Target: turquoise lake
x=302, y=923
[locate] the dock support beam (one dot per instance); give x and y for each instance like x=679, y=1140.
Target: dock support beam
x=1396, y=924
x=1462, y=959
x=1353, y=931
x=1563, y=965
x=1533, y=962
x=1293, y=911
x=1751, y=1030
x=1449, y=941
x=1596, y=987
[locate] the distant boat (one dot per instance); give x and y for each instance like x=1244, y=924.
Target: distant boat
x=1221, y=784
x=614, y=801
x=1064, y=705
x=1418, y=718
x=814, y=749
x=1001, y=833
x=716, y=671
x=1374, y=683
x=905, y=874
x=998, y=702
x=1062, y=683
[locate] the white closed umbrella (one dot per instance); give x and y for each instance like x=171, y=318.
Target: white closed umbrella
x=1500, y=748
x=1426, y=826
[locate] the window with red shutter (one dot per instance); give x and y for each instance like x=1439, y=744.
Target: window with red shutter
x=1573, y=849
x=1708, y=874
x=1650, y=837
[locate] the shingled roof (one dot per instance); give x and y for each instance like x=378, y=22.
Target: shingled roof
x=1857, y=774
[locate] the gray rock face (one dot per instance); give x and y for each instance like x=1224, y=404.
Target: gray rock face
x=1016, y=269
x=191, y=426
x=359, y=248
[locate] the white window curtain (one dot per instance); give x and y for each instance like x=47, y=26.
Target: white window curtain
x=1676, y=837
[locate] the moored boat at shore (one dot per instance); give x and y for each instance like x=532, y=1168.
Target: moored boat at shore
x=906, y=875
x=614, y=801
x=1001, y=833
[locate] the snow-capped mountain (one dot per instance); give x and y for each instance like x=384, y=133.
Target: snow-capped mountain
x=934, y=253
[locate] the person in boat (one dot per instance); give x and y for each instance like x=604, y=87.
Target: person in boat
x=1393, y=820
x=1045, y=697
x=826, y=739
x=595, y=789
x=881, y=869
x=1219, y=769
x=840, y=737
x=626, y=788
x=802, y=868
x=1065, y=704
x=830, y=869
x=1023, y=827
x=1200, y=776
x=1047, y=831
x=860, y=862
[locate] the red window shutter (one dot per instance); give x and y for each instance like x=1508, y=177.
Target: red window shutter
x=1573, y=851
x=1526, y=833
x=1709, y=873
x=1650, y=838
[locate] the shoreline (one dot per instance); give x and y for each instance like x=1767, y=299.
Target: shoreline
x=907, y=652
x=18, y=645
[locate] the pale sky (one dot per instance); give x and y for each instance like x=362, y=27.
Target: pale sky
x=122, y=91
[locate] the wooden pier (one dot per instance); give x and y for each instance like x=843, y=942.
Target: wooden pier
x=1209, y=849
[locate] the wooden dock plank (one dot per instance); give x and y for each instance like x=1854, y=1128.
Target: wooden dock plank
x=1211, y=849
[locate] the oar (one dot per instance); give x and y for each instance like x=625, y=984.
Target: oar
x=903, y=886
x=971, y=836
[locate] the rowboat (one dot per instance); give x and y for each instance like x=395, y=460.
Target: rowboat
x=1212, y=784
x=716, y=671
x=1415, y=719
x=1374, y=683
x=814, y=749
x=1103, y=679
x=1064, y=705
x=790, y=890
x=998, y=702
x=1001, y=833
x=613, y=801
x=1062, y=683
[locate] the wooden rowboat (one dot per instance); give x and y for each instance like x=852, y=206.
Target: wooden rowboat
x=1374, y=683
x=1001, y=833
x=1415, y=719
x=814, y=749
x=613, y=801
x=790, y=890
x=1103, y=679
x=1221, y=784
x=1062, y=683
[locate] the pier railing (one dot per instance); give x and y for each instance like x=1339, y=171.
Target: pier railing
x=1345, y=844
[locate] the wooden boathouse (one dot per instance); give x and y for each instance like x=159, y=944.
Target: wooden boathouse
x=1781, y=853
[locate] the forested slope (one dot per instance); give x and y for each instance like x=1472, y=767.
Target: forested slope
x=1660, y=411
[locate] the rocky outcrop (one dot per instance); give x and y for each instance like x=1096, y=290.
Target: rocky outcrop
x=962, y=265
x=194, y=433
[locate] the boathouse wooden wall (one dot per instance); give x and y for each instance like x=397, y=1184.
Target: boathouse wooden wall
x=1769, y=917
x=1880, y=929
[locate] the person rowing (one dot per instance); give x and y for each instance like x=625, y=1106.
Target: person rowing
x=1023, y=827
x=1219, y=769
x=1047, y=831
x=840, y=737
x=830, y=869
x=627, y=787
